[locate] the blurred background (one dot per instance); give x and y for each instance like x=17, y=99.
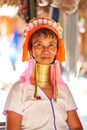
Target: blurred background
x=72, y=14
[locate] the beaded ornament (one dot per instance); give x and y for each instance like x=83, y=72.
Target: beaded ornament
x=38, y=23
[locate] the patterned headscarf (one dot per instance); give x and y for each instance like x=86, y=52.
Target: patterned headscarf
x=38, y=23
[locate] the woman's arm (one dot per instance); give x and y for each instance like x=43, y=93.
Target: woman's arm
x=13, y=121
x=74, y=121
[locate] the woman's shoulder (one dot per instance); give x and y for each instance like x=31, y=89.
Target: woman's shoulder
x=22, y=89
x=18, y=87
x=65, y=90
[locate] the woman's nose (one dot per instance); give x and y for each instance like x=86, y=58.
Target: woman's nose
x=45, y=47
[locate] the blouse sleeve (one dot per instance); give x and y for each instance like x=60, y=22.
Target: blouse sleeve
x=14, y=101
x=70, y=105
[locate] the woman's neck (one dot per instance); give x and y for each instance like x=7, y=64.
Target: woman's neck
x=43, y=73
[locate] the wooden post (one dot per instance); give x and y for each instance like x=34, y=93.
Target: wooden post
x=71, y=42
x=32, y=8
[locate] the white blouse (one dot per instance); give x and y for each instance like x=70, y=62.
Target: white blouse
x=42, y=114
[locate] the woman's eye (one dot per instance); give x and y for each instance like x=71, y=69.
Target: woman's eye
x=39, y=44
x=52, y=45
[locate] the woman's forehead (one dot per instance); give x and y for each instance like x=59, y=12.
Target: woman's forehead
x=44, y=31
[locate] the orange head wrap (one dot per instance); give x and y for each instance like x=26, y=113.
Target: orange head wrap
x=38, y=23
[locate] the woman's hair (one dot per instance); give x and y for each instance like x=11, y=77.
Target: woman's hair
x=47, y=32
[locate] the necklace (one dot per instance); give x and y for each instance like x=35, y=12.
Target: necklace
x=42, y=75
x=46, y=74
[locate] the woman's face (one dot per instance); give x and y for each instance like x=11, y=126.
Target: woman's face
x=44, y=48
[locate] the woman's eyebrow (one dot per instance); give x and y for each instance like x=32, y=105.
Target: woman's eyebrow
x=37, y=41
x=53, y=42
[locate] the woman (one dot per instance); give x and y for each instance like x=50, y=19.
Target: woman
x=40, y=100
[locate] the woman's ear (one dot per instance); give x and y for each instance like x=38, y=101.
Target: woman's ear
x=30, y=51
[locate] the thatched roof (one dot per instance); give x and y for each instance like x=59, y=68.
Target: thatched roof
x=83, y=6
x=9, y=2
x=69, y=4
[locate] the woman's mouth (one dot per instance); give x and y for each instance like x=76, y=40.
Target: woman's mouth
x=45, y=58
